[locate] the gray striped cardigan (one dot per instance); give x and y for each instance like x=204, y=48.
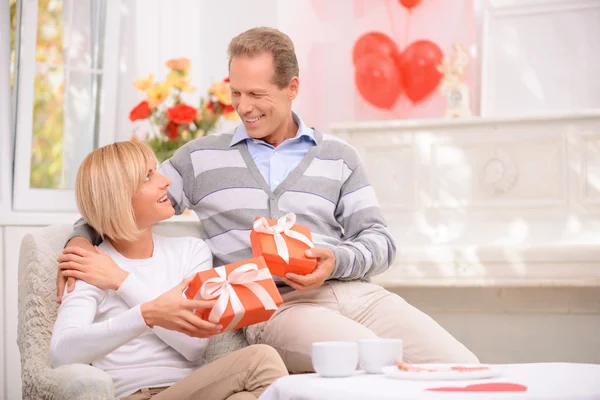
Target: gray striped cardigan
x=328, y=191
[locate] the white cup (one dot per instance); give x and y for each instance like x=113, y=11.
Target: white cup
x=378, y=353
x=335, y=359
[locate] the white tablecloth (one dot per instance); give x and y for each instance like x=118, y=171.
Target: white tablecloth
x=544, y=381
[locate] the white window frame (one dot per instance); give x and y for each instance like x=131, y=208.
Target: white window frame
x=5, y=162
x=5, y=113
x=63, y=200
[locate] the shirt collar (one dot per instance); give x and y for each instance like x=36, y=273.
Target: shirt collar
x=241, y=134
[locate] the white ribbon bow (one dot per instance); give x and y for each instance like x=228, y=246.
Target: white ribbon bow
x=284, y=225
x=222, y=287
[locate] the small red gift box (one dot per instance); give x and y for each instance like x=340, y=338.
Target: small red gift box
x=245, y=291
x=282, y=243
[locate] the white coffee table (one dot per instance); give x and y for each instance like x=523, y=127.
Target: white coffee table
x=544, y=381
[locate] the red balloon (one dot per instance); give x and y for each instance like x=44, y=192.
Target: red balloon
x=418, y=67
x=378, y=80
x=374, y=42
x=410, y=3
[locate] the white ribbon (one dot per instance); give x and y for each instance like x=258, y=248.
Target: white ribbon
x=222, y=287
x=284, y=225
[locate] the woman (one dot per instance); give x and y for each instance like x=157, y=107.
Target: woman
x=127, y=315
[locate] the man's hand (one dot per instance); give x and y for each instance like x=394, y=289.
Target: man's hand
x=325, y=267
x=93, y=267
x=61, y=280
x=173, y=311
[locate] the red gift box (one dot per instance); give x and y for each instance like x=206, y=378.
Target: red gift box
x=282, y=243
x=245, y=291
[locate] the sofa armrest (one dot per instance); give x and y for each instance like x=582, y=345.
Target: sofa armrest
x=69, y=382
x=82, y=382
x=37, y=313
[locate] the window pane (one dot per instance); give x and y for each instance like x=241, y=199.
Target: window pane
x=66, y=89
x=13, y=34
x=48, y=123
x=80, y=122
x=84, y=22
x=49, y=47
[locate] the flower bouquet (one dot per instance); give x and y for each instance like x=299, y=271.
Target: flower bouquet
x=172, y=121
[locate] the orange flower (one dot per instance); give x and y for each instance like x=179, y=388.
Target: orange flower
x=229, y=112
x=172, y=130
x=143, y=84
x=210, y=107
x=182, y=114
x=179, y=64
x=141, y=111
x=158, y=93
x=227, y=108
x=221, y=91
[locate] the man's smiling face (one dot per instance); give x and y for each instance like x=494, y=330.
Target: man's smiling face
x=260, y=103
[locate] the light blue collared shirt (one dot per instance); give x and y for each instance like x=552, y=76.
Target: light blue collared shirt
x=276, y=163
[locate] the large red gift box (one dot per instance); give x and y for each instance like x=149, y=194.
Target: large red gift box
x=245, y=292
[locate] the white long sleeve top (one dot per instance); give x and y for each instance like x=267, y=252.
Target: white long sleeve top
x=105, y=328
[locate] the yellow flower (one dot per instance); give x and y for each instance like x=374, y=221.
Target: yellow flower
x=144, y=83
x=158, y=93
x=200, y=133
x=179, y=64
x=185, y=135
x=179, y=81
x=222, y=92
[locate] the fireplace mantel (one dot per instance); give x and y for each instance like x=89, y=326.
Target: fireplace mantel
x=487, y=201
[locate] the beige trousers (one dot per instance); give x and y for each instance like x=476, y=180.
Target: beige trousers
x=241, y=375
x=339, y=311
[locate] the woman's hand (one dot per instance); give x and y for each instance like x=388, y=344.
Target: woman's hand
x=93, y=267
x=173, y=311
x=61, y=280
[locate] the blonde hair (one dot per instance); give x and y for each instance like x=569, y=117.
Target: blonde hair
x=268, y=40
x=106, y=183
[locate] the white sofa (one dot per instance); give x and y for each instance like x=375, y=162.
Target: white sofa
x=37, y=312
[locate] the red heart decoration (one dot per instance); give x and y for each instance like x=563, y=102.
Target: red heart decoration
x=484, y=387
x=378, y=80
x=377, y=77
x=418, y=67
x=375, y=42
x=409, y=3
x=383, y=73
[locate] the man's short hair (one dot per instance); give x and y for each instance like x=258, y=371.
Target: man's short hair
x=260, y=40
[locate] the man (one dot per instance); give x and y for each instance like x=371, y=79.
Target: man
x=274, y=164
